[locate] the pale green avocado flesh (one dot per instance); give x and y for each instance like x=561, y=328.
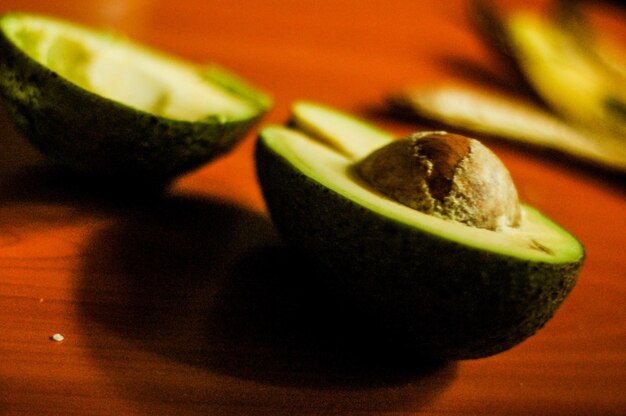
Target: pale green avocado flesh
x=100, y=103
x=448, y=290
x=121, y=71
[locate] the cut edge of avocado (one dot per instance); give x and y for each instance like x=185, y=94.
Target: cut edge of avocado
x=326, y=124
x=307, y=150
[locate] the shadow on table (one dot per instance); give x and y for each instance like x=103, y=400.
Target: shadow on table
x=210, y=285
x=207, y=284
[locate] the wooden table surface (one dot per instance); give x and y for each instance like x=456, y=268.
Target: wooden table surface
x=188, y=304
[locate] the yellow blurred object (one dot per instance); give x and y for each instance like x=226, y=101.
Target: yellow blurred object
x=579, y=88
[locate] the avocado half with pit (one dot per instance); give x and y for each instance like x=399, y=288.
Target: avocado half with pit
x=436, y=286
x=101, y=104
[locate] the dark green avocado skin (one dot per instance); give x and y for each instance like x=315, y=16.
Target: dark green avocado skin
x=91, y=134
x=441, y=299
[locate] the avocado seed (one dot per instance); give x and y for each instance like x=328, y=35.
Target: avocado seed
x=445, y=175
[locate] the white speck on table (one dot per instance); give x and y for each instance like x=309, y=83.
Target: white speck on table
x=57, y=337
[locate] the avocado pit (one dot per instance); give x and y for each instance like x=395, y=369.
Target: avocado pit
x=449, y=176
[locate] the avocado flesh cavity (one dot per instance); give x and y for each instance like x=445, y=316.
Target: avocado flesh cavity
x=103, y=106
x=120, y=71
x=449, y=290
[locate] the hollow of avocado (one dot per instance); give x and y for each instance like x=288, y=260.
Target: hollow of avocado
x=99, y=104
x=435, y=284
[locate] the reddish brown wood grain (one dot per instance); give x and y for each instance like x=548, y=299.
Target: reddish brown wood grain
x=186, y=304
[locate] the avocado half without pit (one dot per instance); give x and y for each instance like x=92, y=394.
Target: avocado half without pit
x=100, y=104
x=425, y=234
